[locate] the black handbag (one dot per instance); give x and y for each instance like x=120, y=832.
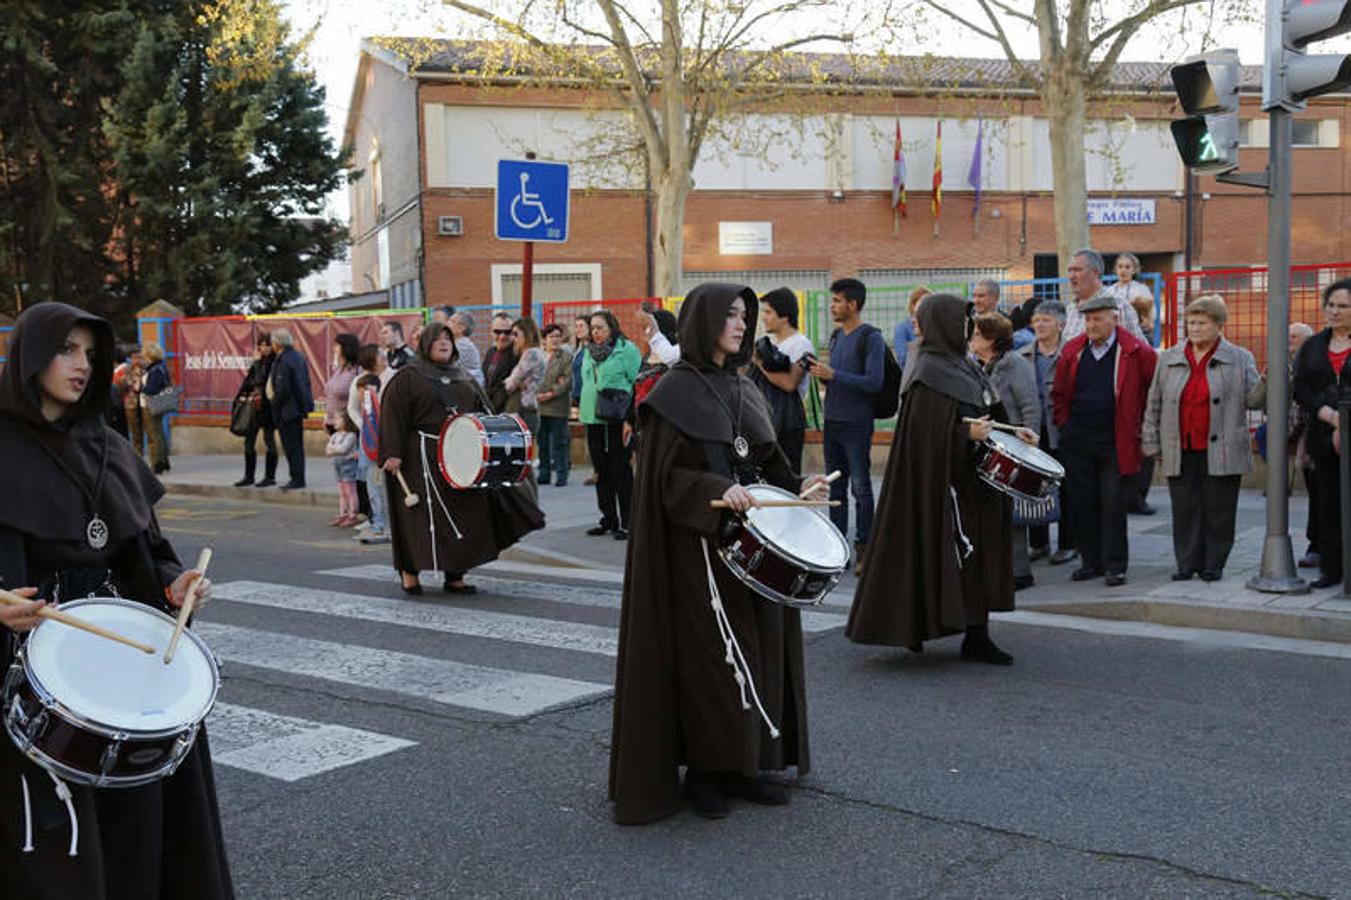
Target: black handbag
x=612, y=404
x=243, y=417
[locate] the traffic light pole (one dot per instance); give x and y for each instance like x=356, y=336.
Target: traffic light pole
x=1278, y=574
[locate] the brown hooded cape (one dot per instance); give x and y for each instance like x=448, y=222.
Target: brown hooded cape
x=915, y=586
x=676, y=702
x=161, y=840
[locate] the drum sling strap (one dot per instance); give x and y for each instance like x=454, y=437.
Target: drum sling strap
x=62, y=794
x=429, y=485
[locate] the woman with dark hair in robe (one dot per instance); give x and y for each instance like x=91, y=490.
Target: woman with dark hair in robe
x=678, y=702
x=78, y=519
x=943, y=557
x=449, y=530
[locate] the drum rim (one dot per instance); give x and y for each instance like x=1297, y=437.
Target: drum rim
x=52, y=702
x=1003, y=441
x=78, y=776
x=441, y=458
x=815, y=567
x=746, y=578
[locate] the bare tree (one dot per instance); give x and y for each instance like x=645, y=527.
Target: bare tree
x=677, y=67
x=1080, y=44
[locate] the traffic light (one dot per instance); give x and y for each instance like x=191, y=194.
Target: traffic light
x=1207, y=88
x=1290, y=75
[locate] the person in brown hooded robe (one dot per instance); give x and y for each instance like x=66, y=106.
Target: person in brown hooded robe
x=678, y=699
x=449, y=530
x=943, y=557
x=78, y=519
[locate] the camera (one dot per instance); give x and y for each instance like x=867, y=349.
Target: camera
x=807, y=361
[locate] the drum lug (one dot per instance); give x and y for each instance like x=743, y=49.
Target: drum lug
x=33, y=728
x=14, y=676
x=110, y=757
x=754, y=562
x=799, y=583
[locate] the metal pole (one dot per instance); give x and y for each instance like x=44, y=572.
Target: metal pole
x=1344, y=479
x=527, y=268
x=1277, y=574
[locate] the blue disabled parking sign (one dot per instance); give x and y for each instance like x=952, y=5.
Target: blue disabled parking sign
x=532, y=201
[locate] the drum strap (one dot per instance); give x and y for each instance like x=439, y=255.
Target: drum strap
x=63, y=794
x=741, y=670
x=431, y=489
x=964, y=546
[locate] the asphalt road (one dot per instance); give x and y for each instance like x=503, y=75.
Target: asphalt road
x=370, y=745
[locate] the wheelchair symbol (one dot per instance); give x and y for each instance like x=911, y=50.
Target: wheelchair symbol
x=524, y=200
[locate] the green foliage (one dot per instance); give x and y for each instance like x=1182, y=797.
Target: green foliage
x=161, y=150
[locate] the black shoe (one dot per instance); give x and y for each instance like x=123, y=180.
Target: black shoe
x=293, y=486
x=1085, y=574
x=621, y=534
x=598, y=531
x=705, y=799
x=1037, y=553
x=562, y=482
x=1115, y=579
x=1063, y=555
x=1142, y=509
x=1180, y=575
x=978, y=647
x=1023, y=581
x=1211, y=574
x=1310, y=560
x=1327, y=581
x=266, y=482
x=754, y=790
x=459, y=589
x=244, y=482
x=413, y=591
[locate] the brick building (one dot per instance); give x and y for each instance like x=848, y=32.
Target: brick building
x=810, y=200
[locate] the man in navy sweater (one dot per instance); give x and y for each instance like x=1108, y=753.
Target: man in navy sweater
x=852, y=378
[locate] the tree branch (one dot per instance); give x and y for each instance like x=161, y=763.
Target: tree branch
x=1121, y=33
x=640, y=98
x=1014, y=13
x=988, y=35
x=1004, y=42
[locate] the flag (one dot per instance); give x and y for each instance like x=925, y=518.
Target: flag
x=973, y=176
x=937, y=201
x=898, y=175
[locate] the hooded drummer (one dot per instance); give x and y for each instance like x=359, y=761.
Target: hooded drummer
x=710, y=676
x=447, y=530
x=944, y=539
x=78, y=520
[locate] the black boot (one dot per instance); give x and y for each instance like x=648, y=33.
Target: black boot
x=755, y=790
x=701, y=789
x=978, y=647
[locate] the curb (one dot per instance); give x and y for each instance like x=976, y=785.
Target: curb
x=304, y=497
x=1305, y=625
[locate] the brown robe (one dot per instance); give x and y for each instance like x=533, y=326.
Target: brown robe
x=913, y=588
x=676, y=700
x=489, y=520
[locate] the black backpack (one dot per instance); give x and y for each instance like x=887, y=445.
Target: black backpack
x=887, y=400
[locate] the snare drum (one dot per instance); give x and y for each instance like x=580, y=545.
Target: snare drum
x=1014, y=467
x=791, y=555
x=102, y=714
x=478, y=451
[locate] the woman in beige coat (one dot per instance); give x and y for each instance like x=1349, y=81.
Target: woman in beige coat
x=1196, y=422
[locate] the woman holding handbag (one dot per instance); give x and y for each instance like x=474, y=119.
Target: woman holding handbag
x=157, y=384
x=608, y=372
x=252, y=413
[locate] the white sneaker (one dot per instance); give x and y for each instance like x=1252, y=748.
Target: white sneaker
x=374, y=537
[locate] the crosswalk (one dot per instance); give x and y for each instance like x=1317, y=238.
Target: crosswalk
x=290, y=748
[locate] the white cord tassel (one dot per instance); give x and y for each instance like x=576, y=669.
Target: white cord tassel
x=964, y=546
x=27, y=815
x=432, y=491
x=63, y=791
x=741, y=670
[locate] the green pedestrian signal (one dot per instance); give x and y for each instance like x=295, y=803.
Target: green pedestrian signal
x=1207, y=89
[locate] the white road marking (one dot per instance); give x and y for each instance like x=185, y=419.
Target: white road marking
x=289, y=748
x=817, y=620
x=537, y=632
x=499, y=691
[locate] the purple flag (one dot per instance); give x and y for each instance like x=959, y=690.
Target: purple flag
x=973, y=176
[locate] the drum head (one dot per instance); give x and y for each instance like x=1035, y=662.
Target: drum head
x=462, y=450
x=117, y=686
x=800, y=531
x=1027, y=455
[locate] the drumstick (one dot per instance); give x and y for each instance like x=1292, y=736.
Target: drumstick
x=410, y=499
x=1002, y=426
x=832, y=477
x=189, y=601
x=66, y=618
x=723, y=504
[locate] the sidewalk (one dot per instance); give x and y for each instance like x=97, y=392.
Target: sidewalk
x=1149, y=595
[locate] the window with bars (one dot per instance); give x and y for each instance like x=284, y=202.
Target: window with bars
x=929, y=276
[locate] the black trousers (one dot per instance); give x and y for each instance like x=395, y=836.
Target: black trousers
x=614, y=475
x=1204, y=509
x=293, y=445
x=251, y=451
x=1325, y=504
x=791, y=442
x=1040, y=535
x=1142, y=481
x=1098, y=495
x=1311, y=523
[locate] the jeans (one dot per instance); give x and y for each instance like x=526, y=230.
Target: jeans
x=848, y=447
x=614, y=475
x=251, y=452
x=372, y=475
x=154, y=434
x=554, y=449
x=293, y=444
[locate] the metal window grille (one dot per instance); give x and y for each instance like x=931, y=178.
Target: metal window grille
x=762, y=281
x=929, y=276
x=549, y=287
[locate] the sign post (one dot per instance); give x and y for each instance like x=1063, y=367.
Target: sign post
x=531, y=205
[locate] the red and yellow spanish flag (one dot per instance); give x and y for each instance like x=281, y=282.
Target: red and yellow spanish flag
x=937, y=201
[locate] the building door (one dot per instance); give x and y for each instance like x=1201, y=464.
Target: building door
x=553, y=282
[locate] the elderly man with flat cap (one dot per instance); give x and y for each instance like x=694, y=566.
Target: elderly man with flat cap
x=1098, y=401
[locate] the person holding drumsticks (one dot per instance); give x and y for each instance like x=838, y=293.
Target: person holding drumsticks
x=449, y=530
x=678, y=700
x=78, y=518
x=944, y=557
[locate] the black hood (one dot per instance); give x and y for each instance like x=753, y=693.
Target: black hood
x=39, y=334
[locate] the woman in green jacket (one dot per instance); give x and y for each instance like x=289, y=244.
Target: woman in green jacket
x=608, y=371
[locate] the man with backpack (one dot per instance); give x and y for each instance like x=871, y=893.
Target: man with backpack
x=859, y=389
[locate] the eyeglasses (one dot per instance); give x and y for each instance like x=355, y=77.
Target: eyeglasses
x=501, y=331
